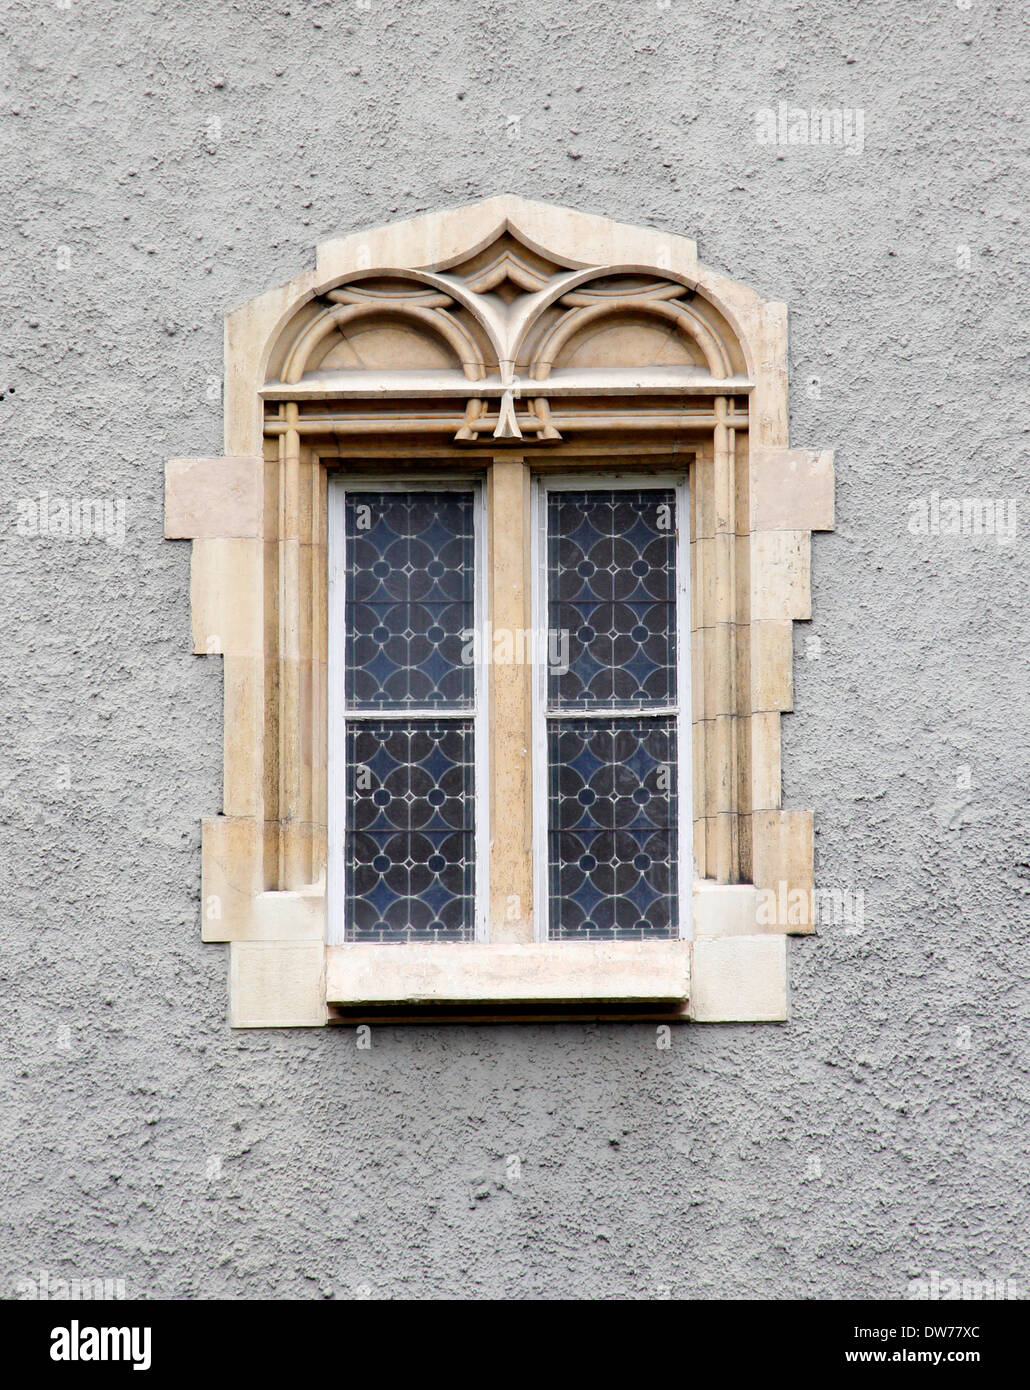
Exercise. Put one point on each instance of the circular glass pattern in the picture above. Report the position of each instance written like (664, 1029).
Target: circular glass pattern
(611, 577)
(612, 828)
(410, 850)
(409, 595)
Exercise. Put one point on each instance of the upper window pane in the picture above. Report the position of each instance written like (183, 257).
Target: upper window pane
(409, 598)
(611, 583)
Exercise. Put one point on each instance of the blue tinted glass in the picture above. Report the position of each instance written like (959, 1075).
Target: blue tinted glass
(612, 828)
(611, 582)
(409, 599)
(411, 814)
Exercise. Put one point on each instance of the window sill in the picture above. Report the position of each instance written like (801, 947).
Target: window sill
(555, 973)
(727, 979)
(287, 977)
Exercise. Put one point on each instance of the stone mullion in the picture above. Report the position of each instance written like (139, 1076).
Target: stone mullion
(511, 705)
(291, 792)
(700, 657)
(719, 588)
(318, 722)
(698, 480)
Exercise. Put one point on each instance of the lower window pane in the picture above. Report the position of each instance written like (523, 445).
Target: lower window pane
(411, 817)
(612, 829)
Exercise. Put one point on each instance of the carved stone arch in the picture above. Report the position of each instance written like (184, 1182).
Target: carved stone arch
(424, 304)
(624, 294)
(582, 316)
(503, 331)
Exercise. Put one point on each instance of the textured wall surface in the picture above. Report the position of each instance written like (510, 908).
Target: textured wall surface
(161, 163)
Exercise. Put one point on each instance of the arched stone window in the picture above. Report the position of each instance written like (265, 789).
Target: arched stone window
(475, 367)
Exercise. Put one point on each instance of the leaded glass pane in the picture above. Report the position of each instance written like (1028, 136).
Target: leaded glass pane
(611, 582)
(612, 811)
(411, 811)
(409, 598)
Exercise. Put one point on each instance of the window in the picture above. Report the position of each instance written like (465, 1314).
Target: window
(612, 726)
(410, 642)
(408, 829)
(476, 420)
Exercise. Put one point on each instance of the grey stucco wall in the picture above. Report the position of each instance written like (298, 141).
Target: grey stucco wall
(190, 156)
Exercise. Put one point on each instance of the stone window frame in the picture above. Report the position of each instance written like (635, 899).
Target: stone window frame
(257, 520)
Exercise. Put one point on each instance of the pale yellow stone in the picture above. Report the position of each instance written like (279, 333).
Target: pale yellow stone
(742, 576)
(296, 862)
(699, 758)
(299, 498)
(273, 470)
(244, 737)
(742, 485)
(319, 762)
(699, 667)
(696, 581)
(722, 847)
(720, 588)
(511, 728)
(293, 806)
(792, 490)
(700, 846)
(291, 915)
(707, 585)
(771, 668)
(545, 972)
(227, 592)
(768, 341)
(720, 765)
(744, 851)
(249, 331)
(739, 979)
(764, 763)
(214, 497)
(724, 909)
(723, 479)
(449, 235)
(703, 493)
(782, 855)
(234, 856)
(780, 575)
(277, 984)
(720, 669)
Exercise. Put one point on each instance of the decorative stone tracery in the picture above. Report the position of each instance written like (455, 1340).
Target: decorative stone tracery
(502, 337)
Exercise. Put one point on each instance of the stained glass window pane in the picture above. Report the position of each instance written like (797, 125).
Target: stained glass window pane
(611, 583)
(409, 598)
(612, 828)
(411, 814)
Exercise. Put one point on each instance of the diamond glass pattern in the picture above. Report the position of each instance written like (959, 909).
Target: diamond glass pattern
(611, 558)
(411, 830)
(613, 828)
(409, 597)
